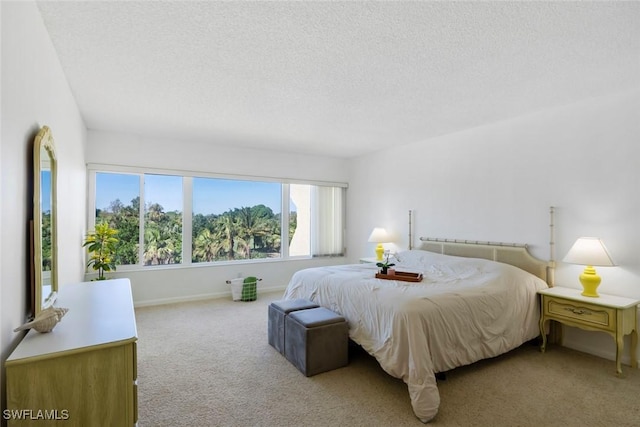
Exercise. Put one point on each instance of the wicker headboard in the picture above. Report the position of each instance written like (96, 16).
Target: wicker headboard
(509, 253)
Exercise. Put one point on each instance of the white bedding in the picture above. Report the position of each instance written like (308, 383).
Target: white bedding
(464, 310)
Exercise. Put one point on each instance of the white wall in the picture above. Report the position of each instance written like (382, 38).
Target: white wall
(131, 150)
(174, 283)
(496, 183)
(34, 93)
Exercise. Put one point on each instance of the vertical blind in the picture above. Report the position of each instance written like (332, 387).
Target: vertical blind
(328, 222)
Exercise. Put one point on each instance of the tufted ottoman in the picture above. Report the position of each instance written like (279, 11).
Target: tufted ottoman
(278, 310)
(317, 340)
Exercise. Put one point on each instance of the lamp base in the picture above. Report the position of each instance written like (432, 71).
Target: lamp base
(590, 282)
(379, 252)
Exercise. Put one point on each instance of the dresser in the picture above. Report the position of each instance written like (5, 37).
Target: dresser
(614, 315)
(83, 373)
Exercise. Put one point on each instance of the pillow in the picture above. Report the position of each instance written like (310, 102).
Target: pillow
(413, 257)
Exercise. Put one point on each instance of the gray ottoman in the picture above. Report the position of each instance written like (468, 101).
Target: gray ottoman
(317, 340)
(278, 310)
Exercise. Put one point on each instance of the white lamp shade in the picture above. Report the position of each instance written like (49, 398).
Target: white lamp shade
(379, 235)
(589, 251)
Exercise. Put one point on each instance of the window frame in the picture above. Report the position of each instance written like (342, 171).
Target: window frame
(187, 207)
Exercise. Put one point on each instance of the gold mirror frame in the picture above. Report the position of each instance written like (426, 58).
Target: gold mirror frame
(45, 268)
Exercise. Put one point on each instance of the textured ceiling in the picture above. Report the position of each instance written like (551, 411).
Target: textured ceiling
(335, 78)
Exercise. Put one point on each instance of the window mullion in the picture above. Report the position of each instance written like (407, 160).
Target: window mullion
(187, 219)
(141, 236)
(284, 227)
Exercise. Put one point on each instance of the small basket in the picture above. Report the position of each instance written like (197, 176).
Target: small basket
(244, 288)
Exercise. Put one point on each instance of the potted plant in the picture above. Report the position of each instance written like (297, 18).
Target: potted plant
(384, 266)
(101, 244)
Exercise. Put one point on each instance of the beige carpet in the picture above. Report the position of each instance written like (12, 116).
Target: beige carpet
(208, 363)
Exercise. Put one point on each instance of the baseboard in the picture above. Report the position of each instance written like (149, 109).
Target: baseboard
(579, 346)
(199, 297)
(597, 352)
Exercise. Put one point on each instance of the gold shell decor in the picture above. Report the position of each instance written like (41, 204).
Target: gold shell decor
(45, 321)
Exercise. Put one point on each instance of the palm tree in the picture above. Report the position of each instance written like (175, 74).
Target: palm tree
(228, 236)
(273, 238)
(251, 225)
(163, 235)
(206, 247)
(157, 248)
(151, 246)
(155, 212)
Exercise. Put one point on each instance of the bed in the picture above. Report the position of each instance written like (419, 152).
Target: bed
(477, 300)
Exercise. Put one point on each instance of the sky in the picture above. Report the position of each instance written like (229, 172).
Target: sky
(220, 195)
(209, 195)
(45, 190)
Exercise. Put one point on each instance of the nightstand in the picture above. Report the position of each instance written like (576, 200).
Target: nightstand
(612, 314)
(371, 260)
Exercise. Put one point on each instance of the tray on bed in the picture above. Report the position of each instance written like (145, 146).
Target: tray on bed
(402, 276)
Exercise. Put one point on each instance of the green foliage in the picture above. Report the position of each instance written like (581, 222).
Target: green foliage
(101, 244)
(162, 236)
(46, 241)
(239, 233)
(126, 220)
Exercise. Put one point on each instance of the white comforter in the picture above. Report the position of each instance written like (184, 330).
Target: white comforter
(464, 310)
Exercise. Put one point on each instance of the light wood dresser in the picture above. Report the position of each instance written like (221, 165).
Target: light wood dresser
(83, 373)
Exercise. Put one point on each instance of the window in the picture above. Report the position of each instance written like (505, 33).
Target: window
(234, 220)
(162, 219)
(327, 207)
(229, 220)
(118, 203)
(316, 224)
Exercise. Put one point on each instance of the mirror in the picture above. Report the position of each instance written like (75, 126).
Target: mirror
(45, 245)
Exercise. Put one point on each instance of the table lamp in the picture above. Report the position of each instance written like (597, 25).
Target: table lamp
(379, 235)
(589, 251)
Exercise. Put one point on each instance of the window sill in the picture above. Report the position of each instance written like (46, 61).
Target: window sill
(137, 268)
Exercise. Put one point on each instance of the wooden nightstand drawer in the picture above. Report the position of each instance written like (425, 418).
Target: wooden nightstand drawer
(587, 314)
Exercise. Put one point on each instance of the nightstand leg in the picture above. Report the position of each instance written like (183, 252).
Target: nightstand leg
(619, 349)
(543, 333)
